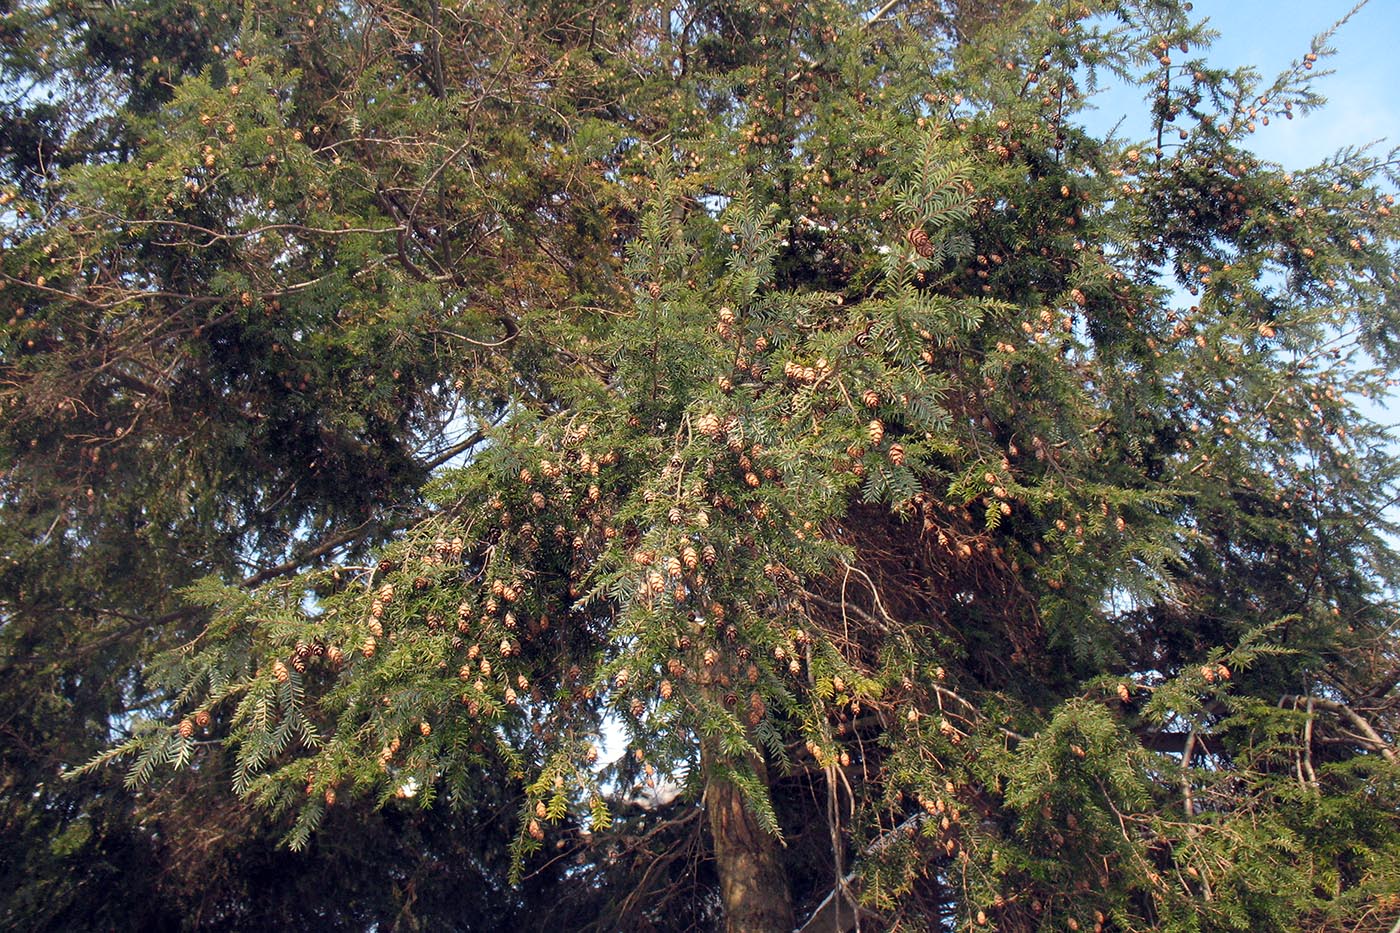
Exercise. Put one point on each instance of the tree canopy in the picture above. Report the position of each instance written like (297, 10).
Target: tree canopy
(738, 464)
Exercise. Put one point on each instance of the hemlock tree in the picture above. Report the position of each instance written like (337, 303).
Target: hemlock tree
(962, 520)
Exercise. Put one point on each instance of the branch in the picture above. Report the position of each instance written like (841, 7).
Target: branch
(1372, 737)
(976, 713)
(1167, 741)
(289, 566)
(838, 912)
(1187, 801)
(292, 564)
(880, 13)
(447, 454)
(134, 624)
(1384, 684)
(1309, 772)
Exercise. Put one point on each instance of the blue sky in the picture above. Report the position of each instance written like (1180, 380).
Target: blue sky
(1362, 93)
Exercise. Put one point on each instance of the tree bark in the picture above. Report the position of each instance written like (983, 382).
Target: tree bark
(753, 885)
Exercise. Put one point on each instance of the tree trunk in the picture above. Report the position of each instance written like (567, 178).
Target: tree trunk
(752, 883)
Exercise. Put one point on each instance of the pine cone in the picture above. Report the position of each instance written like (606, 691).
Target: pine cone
(921, 242)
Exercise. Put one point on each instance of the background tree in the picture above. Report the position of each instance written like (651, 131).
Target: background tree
(973, 514)
(170, 406)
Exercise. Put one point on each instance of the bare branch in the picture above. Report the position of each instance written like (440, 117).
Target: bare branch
(293, 564)
(1371, 736)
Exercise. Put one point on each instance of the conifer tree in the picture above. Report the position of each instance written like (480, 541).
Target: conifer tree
(947, 518)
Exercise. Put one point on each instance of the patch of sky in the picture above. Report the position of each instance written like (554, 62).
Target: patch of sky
(1357, 79)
